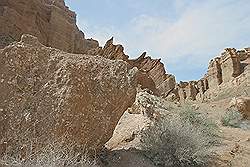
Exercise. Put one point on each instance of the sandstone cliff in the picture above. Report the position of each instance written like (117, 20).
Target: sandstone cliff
(229, 70)
(49, 20)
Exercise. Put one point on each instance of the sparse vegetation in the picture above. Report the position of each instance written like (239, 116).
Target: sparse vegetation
(180, 140)
(201, 122)
(232, 118)
(51, 156)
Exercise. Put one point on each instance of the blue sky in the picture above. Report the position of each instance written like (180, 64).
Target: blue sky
(185, 34)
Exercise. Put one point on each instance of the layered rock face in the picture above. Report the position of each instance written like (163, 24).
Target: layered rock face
(230, 69)
(47, 96)
(214, 73)
(164, 82)
(49, 20)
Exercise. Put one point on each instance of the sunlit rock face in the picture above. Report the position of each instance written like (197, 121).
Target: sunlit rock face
(49, 20)
(47, 95)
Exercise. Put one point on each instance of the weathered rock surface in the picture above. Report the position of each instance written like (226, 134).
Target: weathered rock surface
(214, 73)
(110, 51)
(230, 65)
(226, 72)
(242, 104)
(164, 82)
(47, 95)
(153, 74)
(49, 20)
(146, 110)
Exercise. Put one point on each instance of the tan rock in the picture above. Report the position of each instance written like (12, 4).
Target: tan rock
(230, 64)
(191, 90)
(113, 52)
(164, 82)
(49, 20)
(242, 104)
(51, 96)
(214, 74)
(145, 111)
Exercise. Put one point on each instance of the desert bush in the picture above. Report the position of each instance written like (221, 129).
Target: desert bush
(54, 155)
(173, 142)
(200, 121)
(232, 118)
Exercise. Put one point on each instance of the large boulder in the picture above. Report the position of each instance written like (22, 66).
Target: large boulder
(47, 95)
(146, 110)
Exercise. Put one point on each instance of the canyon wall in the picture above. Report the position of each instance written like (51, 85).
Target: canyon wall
(231, 68)
(49, 20)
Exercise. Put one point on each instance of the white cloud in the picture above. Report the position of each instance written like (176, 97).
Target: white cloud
(200, 31)
(198, 34)
(102, 34)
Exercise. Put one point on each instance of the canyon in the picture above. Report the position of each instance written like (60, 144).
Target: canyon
(56, 86)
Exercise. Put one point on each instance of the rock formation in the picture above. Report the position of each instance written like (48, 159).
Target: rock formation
(55, 26)
(231, 68)
(49, 20)
(47, 95)
(242, 104)
(153, 75)
(214, 73)
(145, 111)
(230, 65)
(164, 82)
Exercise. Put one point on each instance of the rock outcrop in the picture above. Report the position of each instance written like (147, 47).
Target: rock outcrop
(145, 111)
(242, 104)
(47, 95)
(214, 73)
(230, 69)
(110, 51)
(164, 82)
(55, 26)
(49, 20)
(153, 74)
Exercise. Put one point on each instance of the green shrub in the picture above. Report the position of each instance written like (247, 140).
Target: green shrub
(232, 118)
(172, 142)
(201, 122)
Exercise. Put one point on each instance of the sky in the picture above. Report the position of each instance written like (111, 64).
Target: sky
(185, 34)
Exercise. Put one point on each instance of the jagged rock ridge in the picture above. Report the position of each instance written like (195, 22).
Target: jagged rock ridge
(153, 74)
